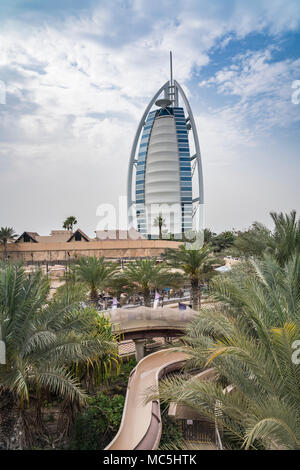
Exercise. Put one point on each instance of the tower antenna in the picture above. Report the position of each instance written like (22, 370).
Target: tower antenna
(171, 69)
(172, 93)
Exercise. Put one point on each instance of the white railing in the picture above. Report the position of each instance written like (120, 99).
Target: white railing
(218, 439)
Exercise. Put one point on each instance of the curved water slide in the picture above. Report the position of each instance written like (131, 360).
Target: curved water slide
(141, 425)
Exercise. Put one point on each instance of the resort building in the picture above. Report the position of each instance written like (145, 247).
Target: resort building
(63, 246)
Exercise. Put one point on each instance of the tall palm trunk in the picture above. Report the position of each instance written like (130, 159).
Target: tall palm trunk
(160, 231)
(4, 250)
(195, 294)
(68, 411)
(147, 297)
(11, 426)
(94, 295)
(199, 296)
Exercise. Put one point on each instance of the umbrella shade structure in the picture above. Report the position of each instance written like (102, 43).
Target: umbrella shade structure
(147, 322)
(223, 269)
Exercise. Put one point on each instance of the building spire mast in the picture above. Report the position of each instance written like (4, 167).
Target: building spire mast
(171, 69)
(172, 88)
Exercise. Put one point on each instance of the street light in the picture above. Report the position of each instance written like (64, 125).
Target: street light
(2, 350)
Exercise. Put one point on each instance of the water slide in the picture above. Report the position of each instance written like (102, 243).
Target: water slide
(141, 426)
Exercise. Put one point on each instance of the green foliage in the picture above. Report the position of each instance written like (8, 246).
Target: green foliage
(118, 379)
(101, 322)
(283, 242)
(196, 265)
(143, 276)
(73, 291)
(253, 242)
(97, 370)
(238, 274)
(286, 236)
(220, 242)
(70, 222)
(208, 235)
(96, 426)
(44, 338)
(171, 434)
(95, 273)
(223, 241)
(6, 234)
(248, 339)
(159, 222)
(71, 278)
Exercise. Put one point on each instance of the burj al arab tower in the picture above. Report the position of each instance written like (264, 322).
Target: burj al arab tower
(165, 170)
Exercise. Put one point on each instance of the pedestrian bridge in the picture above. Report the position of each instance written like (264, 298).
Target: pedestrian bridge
(146, 322)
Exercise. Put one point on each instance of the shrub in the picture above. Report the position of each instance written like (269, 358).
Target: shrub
(96, 426)
(171, 436)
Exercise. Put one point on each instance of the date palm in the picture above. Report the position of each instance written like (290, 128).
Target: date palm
(95, 273)
(251, 345)
(196, 266)
(70, 222)
(43, 339)
(6, 234)
(283, 241)
(145, 275)
(286, 236)
(159, 222)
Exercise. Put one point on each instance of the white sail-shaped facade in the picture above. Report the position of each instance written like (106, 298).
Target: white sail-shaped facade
(162, 176)
(163, 166)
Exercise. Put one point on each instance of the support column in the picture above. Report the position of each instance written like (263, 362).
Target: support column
(139, 349)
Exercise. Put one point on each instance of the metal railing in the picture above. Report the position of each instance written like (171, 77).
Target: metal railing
(218, 439)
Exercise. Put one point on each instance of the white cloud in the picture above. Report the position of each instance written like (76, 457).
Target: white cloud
(76, 89)
(263, 89)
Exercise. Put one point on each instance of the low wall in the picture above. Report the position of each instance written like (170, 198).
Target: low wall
(68, 251)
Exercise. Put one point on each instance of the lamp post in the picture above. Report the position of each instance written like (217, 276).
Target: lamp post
(2, 350)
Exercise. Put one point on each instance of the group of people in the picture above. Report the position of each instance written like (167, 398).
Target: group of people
(108, 301)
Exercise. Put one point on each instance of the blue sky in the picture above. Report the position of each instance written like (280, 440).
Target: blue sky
(78, 76)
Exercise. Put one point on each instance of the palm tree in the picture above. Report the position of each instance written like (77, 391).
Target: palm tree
(283, 241)
(252, 242)
(196, 266)
(208, 235)
(145, 275)
(43, 339)
(159, 222)
(70, 222)
(251, 344)
(6, 234)
(223, 241)
(286, 236)
(96, 274)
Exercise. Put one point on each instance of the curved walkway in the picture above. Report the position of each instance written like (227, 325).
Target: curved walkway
(141, 423)
(163, 321)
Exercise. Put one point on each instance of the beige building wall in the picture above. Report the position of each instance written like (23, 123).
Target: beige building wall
(65, 251)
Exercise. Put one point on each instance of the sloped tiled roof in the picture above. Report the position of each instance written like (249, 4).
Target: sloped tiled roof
(87, 239)
(32, 235)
